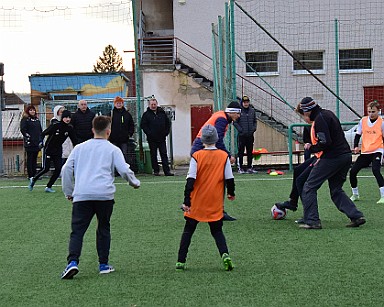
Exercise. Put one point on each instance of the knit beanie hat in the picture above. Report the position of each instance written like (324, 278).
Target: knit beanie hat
(307, 104)
(233, 107)
(209, 135)
(66, 113)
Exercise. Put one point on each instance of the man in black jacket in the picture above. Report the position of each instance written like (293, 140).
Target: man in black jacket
(246, 125)
(122, 129)
(156, 125)
(82, 122)
(327, 136)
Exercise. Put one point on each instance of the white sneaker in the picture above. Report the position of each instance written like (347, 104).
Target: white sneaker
(240, 171)
(355, 197)
(380, 201)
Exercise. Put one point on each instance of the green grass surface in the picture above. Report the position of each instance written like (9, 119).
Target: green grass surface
(276, 264)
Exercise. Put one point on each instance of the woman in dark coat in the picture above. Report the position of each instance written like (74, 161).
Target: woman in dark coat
(31, 130)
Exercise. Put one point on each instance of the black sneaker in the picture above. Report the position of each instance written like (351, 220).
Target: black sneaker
(310, 226)
(300, 221)
(156, 174)
(169, 174)
(286, 205)
(357, 222)
(227, 217)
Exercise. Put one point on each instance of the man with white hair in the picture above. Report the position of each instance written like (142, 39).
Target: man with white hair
(82, 121)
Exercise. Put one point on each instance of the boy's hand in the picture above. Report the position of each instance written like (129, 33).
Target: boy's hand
(231, 197)
(185, 208)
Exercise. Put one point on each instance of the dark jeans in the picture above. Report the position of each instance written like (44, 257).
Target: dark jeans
(190, 227)
(300, 175)
(82, 214)
(57, 163)
(364, 161)
(162, 147)
(335, 171)
(245, 142)
(32, 163)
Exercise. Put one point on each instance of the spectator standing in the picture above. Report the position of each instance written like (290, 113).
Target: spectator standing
(333, 165)
(246, 126)
(156, 125)
(87, 180)
(209, 174)
(220, 120)
(371, 129)
(53, 149)
(122, 130)
(67, 145)
(30, 128)
(82, 121)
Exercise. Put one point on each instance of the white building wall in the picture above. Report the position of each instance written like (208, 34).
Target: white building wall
(177, 90)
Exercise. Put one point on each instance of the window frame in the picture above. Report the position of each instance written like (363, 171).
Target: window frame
(356, 69)
(267, 61)
(302, 71)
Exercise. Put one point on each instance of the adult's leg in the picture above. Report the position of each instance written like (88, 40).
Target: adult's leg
(217, 233)
(361, 162)
(31, 163)
(164, 156)
(153, 152)
(240, 153)
(249, 148)
(321, 171)
(57, 163)
(103, 211)
(124, 149)
(82, 214)
(335, 182)
(186, 237)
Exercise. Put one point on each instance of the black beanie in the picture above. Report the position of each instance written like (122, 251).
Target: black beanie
(66, 113)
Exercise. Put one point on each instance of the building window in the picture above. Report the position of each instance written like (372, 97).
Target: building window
(264, 63)
(355, 59)
(64, 97)
(312, 60)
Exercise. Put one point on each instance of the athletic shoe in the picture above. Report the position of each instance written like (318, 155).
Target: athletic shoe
(156, 174)
(380, 201)
(250, 171)
(169, 174)
(31, 184)
(309, 226)
(241, 171)
(70, 271)
(357, 222)
(180, 266)
(286, 205)
(106, 268)
(300, 221)
(227, 217)
(49, 190)
(355, 197)
(227, 262)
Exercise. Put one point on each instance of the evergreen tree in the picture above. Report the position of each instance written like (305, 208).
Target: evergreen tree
(111, 61)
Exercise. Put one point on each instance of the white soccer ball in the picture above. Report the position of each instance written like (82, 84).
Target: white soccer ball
(278, 214)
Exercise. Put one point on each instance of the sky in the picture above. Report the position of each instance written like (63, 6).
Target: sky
(60, 36)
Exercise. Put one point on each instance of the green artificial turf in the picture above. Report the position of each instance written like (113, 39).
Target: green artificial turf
(276, 264)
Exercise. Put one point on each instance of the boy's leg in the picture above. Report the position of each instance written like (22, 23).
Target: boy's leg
(189, 229)
(360, 162)
(82, 214)
(57, 163)
(217, 233)
(103, 211)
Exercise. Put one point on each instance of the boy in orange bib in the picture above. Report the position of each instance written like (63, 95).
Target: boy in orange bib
(371, 129)
(209, 173)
